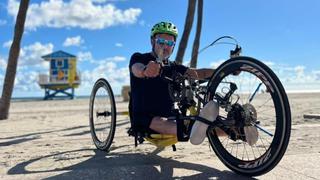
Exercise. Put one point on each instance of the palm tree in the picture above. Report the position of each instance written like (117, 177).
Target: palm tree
(186, 32)
(13, 60)
(196, 42)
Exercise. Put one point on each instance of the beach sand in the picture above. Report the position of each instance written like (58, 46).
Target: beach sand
(51, 140)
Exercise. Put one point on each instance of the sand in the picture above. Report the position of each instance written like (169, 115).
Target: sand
(51, 140)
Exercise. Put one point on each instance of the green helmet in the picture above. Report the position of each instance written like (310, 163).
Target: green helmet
(164, 28)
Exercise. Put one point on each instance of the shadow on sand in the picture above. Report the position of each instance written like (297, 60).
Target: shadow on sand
(18, 141)
(95, 164)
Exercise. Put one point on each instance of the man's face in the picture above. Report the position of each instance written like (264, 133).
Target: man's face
(163, 45)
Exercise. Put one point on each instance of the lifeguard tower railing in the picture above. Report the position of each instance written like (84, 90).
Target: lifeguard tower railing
(54, 86)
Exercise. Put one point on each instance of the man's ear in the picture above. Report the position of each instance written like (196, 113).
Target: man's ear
(152, 41)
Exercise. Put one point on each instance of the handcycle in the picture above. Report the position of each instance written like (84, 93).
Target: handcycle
(248, 93)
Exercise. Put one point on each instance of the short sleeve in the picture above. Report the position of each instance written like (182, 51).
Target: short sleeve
(136, 58)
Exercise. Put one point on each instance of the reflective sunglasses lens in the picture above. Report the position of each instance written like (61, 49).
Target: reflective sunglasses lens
(170, 43)
(160, 41)
(164, 41)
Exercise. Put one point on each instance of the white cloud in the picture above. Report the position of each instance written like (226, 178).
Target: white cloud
(269, 63)
(7, 44)
(73, 41)
(142, 23)
(104, 68)
(99, 1)
(299, 72)
(292, 77)
(216, 64)
(3, 64)
(2, 22)
(31, 55)
(117, 77)
(26, 81)
(316, 75)
(75, 13)
(119, 45)
(85, 56)
(116, 58)
(104, 1)
(1, 84)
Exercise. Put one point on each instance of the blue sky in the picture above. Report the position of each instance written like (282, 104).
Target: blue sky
(105, 33)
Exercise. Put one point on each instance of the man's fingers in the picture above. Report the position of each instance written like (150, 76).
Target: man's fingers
(151, 73)
(153, 69)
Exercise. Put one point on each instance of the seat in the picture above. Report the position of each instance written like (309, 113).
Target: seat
(159, 140)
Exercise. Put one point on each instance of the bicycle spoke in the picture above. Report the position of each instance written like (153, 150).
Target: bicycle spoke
(244, 144)
(271, 108)
(257, 149)
(224, 140)
(264, 130)
(254, 93)
(263, 111)
(263, 104)
(237, 150)
(255, 82)
(231, 149)
(262, 143)
(103, 113)
(253, 152)
(227, 143)
(254, 104)
(240, 88)
(266, 140)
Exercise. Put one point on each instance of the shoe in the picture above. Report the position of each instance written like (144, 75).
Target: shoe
(251, 134)
(198, 132)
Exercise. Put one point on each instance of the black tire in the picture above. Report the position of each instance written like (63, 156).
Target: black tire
(102, 115)
(250, 164)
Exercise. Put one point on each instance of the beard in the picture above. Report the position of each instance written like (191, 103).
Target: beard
(163, 54)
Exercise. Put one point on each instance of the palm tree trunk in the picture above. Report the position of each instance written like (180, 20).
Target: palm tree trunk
(186, 32)
(196, 42)
(13, 60)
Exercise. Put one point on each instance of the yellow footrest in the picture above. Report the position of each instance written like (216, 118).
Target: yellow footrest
(162, 140)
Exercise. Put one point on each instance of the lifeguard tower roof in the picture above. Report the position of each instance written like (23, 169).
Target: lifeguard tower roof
(57, 54)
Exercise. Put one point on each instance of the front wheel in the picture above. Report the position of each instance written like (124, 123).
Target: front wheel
(257, 100)
(102, 115)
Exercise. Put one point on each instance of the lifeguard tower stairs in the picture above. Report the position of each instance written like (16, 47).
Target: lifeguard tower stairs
(63, 77)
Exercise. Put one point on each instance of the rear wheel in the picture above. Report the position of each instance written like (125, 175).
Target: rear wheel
(102, 115)
(259, 101)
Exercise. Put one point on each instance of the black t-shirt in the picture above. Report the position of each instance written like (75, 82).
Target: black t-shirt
(151, 95)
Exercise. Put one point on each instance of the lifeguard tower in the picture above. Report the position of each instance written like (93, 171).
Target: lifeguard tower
(63, 77)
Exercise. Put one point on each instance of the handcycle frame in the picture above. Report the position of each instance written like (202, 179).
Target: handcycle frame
(186, 104)
(237, 115)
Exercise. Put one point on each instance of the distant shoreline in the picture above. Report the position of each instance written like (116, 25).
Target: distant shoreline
(24, 99)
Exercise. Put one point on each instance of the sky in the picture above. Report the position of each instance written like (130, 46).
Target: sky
(103, 34)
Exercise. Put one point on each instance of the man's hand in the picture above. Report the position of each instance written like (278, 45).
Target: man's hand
(192, 73)
(152, 69)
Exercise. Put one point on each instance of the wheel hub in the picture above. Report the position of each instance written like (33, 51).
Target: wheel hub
(249, 114)
(244, 115)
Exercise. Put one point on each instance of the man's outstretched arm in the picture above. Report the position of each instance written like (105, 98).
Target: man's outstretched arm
(200, 74)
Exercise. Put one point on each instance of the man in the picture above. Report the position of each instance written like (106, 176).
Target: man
(151, 102)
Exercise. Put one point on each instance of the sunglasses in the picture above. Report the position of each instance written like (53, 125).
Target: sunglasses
(162, 41)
